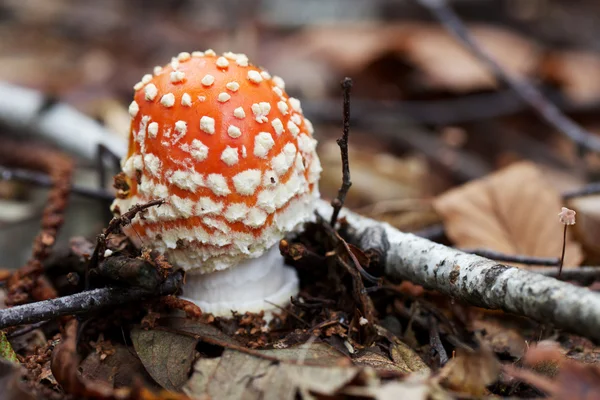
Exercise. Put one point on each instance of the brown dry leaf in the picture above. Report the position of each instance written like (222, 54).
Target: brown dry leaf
(471, 371)
(121, 369)
(587, 228)
(513, 211)
(317, 55)
(447, 65)
(237, 375)
(405, 358)
(576, 72)
(415, 387)
(11, 385)
(168, 352)
(377, 176)
(561, 377)
(500, 338)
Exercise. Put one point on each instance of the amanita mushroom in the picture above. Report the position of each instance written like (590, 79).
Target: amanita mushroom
(234, 158)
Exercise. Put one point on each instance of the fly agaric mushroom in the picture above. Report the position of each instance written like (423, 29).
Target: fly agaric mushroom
(235, 160)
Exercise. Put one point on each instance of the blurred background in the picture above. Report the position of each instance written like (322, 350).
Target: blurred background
(426, 115)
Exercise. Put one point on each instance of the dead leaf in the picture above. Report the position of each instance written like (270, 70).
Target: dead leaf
(513, 211)
(377, 176)
(6, 351)
(120, 369)
(237, 375)
(471, 371)
(577, 73)
(168, 351)
(587, 228)
(10, 383)
(377, 361)
(414, 387)
(562, 378)
(65, 363)
(404, 357)
(501, 338)
(447, 64)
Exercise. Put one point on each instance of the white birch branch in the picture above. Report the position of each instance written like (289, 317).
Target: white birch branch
(22, 109)
(477, 280)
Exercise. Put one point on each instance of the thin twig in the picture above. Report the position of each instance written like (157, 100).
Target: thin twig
(289, 312)
(338, 202)
(84, 302)
(548, 111)
(113, 226)
(435, 341)
(579, 274)
(126, 218)
(516, 258)
(432, 232)
(588, 190)
(43, 180)
(364, 274)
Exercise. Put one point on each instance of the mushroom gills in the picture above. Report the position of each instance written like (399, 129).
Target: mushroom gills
(251, 286)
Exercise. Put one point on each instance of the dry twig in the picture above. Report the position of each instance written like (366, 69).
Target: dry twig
(338, 202)
(84, 302)
(43, 180)
(588, 190)
(514, 258)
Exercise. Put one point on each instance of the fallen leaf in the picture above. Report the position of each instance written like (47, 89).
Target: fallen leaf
(561, 378)
(577, 73)
(447, 64)
(471, 371)
(377, 361)
(10, 383)
(65, 368)
(6, 351)
(500, 338)
(308, 368)
(587, 228)
(404, 357)
(121, 369)
(168, 351)
(513, 211)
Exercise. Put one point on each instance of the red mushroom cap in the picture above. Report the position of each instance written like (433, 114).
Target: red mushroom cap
(230, 152)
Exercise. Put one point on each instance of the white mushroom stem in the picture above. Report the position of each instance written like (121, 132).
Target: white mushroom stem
(251, 286)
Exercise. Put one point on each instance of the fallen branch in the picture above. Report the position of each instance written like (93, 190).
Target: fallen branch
(43, 180)
(528, 92)
(32, 112)
(579, 274)
(480, 281)
(84, 302)
(512, 258)
(588, 190)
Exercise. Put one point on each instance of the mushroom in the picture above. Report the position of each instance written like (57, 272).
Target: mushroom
(233, 156)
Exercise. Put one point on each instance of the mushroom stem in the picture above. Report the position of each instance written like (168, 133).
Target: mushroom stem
(251, 286)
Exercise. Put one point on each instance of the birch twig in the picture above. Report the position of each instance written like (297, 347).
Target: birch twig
(480, 281)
